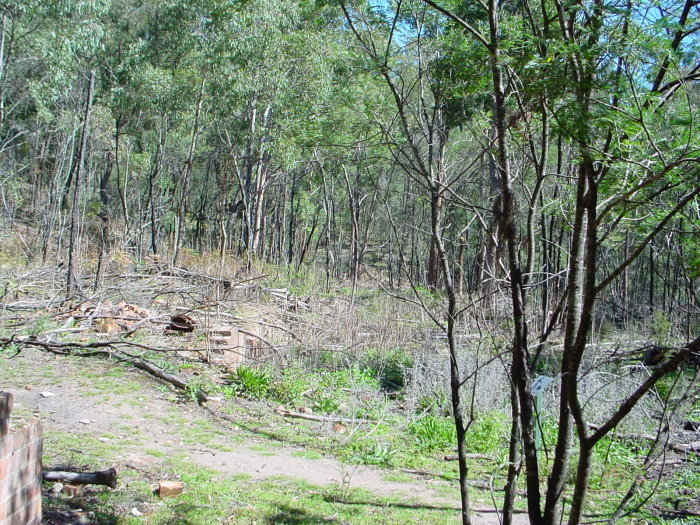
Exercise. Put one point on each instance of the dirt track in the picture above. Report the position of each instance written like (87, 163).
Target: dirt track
(143, 419)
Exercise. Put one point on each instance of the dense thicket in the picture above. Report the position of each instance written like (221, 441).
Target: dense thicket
(542, 151)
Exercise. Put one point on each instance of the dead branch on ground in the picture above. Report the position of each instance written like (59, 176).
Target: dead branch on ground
(324, 419)
(103, 477)
(110, 349)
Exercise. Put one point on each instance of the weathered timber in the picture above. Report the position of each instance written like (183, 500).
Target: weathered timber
(103, 477)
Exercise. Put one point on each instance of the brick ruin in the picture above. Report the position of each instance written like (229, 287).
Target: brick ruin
(20, 468)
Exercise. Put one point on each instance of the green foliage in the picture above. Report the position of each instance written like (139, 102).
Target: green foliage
(290, 387)
(388, 367)
(352, 377)
(661, 327)
(436, 403)
(195, 387)
(251, 382)
(488, 433)
(380, 454)
(326, 403)
(41, 324)
(372, 408)
(433, 433)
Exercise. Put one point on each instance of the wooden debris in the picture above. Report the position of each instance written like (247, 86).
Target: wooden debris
(108, 318)
(103, 477)
(182, 323)
(107, 349)
(170, 488)
(681, 448)
(311, 417)
(109, 326)
(72, 490)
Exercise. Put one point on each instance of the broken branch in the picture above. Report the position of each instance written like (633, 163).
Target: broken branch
(103, 477)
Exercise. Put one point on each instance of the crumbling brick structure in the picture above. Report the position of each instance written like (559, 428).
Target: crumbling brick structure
(20, 468)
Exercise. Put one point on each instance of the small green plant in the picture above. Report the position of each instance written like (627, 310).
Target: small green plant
(488, 433)
(196, 386)
(372, 408)
(41, 324)
(436, 403)
(388, 368)
(326, 404)
(661, 327)
(292, 385)
(434, 433)
(254, 383)
(380, 454)
(10, 350)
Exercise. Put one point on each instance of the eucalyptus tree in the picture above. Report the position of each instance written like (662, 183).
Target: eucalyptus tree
(47, 53)
(404, 47)
(615, 72)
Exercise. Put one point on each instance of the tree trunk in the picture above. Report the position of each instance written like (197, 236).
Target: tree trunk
(184, 182)
(103, 215)
(74, 243)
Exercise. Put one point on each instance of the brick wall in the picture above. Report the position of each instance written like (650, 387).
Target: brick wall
(20, 468)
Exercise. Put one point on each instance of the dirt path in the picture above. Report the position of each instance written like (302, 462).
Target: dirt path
(131, 411)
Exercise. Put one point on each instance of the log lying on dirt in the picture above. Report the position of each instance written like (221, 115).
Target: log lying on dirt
(324, 419)
(165, 376)
(108, 349)
(682, 448)
(103, 477)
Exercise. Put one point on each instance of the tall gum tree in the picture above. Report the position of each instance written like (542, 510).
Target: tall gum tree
(607, 132)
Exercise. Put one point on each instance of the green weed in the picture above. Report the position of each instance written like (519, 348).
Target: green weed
(254, 383)
(380, 454)
(433, 433)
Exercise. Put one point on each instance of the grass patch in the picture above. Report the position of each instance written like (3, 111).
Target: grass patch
(308, 454)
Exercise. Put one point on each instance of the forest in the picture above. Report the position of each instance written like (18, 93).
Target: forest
(482, 215)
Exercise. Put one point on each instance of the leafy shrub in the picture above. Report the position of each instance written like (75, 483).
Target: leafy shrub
(380, 454)
(436, 403)
(291, 385)
(353, 377)
(488, 433)
(326, 404)
(661, 327)
(371, 408)
(388, 368)
(195, 386)
(434, 433)
(254, 383)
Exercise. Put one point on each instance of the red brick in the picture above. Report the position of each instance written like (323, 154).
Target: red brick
(20, 475)
(21, 517)
(6, 402)
(34, 506)
(5, 494)
(4, 468)
(6, 445)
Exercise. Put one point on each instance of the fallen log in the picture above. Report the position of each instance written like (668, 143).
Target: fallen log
(109, 349)
(683, 448)
(103, 477)
(324, 419)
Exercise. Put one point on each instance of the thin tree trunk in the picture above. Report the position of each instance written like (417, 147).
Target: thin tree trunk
(104, 218)
(180, 225)
(74, 243)
(510, 488)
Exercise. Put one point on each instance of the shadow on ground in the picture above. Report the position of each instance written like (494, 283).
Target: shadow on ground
(296, 516)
